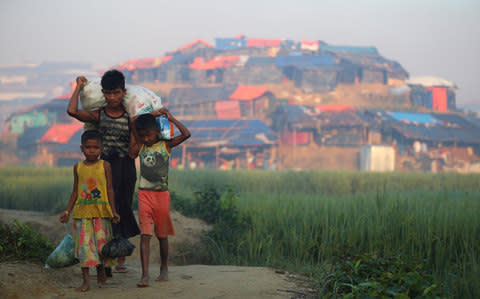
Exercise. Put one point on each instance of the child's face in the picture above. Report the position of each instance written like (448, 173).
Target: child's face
(91, 148)
(114, 97)
(148, 137)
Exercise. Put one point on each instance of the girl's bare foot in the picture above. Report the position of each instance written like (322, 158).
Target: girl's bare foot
(163, 274)
(83, 288)
(143, 283)
(101, 276)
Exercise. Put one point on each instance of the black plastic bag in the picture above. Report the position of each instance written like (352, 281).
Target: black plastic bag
(118, 247)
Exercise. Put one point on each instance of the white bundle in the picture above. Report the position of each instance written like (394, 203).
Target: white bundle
(138, 99)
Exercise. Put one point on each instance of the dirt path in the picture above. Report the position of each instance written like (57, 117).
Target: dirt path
(27, 280)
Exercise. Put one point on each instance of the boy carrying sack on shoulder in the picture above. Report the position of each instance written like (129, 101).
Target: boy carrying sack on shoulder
(153, 195)
(92, 207)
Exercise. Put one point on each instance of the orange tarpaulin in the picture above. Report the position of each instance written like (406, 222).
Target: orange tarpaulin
(259, 42)
(61, 133)
(334, 108)
(439, 98)
(144, 63)
(245, 92)
(228, 110)
(214, 63)
(198, 41)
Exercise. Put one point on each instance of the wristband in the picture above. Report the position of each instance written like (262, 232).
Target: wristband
(67, 212)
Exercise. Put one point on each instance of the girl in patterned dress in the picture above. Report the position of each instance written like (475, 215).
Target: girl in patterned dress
(92, 207)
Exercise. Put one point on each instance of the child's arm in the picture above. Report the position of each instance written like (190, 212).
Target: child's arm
(185, 133)
(111, 199)
(72, 110)
(73, 197)
(134, 146)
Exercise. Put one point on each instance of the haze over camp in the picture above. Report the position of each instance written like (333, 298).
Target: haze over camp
(306, 149)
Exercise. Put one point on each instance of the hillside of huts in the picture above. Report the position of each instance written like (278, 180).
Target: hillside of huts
(255, 103)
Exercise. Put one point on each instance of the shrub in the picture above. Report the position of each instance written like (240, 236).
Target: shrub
(368, 275)
(19, 242)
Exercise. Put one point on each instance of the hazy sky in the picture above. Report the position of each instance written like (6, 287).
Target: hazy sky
(428, 37)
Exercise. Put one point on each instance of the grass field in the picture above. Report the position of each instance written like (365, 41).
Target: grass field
(301, 220)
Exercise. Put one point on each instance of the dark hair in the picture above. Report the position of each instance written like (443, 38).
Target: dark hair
(146, 122)
(113, 79)
(91, 134)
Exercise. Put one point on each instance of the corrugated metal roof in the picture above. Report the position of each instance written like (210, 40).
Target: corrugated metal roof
(179, 96)
(260, 61)
(439, 133)
(31, 136)
(453, 120)
(180, 59)
(305, 61)
(419, 118)
(230, 132)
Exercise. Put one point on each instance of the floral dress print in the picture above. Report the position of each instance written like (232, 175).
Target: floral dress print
(92, 215)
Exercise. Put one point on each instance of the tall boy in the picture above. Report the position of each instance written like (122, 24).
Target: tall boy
(119, 148)
(153, 195)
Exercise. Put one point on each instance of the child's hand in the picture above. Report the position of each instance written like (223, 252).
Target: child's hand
(116, 218)
(81, 81)
(64, 217)
(164, 111)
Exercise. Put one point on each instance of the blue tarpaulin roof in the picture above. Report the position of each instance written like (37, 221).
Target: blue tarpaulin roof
(420, 118)
(230, 43)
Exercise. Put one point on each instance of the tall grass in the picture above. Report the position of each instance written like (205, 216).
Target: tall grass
(36, 189)
(302, 219)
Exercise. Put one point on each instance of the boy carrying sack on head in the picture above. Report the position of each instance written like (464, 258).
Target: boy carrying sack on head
(93, 208)
(153, 195)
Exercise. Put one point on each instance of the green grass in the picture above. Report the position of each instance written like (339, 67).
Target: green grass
(302, 220)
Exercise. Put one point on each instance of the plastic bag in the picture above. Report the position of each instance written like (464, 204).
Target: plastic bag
(63, 255)
(166, 128)
(137, 100)
(118, 247)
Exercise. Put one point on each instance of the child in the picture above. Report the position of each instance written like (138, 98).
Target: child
(93, 208)
(119, 148)
(153, 195)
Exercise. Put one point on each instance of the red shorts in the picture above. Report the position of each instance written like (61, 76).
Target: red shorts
(154, 212)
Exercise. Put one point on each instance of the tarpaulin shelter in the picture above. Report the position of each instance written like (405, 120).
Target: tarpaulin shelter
(197, 102)
(235, 139)
(254, 100)
(255, 71)
(433, 93)
(61, 133)
(223, 44)
(27, 142)
(46, 114)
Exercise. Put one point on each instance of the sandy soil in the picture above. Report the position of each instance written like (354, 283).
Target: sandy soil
(27, 280)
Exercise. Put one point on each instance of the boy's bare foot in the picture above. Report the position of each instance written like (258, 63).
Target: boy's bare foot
(143, 283)
(83, 288)
(163, 274)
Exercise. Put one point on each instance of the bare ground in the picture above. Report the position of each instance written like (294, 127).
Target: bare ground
(29, 280)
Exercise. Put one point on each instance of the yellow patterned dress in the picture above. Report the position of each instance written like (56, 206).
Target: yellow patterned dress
(92, 215)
